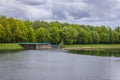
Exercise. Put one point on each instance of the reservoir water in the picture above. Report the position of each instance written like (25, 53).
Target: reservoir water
(58, 65)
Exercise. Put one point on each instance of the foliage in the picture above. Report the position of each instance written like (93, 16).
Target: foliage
(14, 30)
(95, 37)
(42, 35)
(104, 38)
(70, 35)
(55, 35)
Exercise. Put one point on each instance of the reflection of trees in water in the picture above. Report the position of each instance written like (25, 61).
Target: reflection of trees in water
(4, 52)
(109, 53)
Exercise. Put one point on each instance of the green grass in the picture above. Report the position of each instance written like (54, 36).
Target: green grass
(10, 46)
(92, 46)
(16, 46)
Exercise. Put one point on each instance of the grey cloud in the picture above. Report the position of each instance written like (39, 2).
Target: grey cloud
(70, 9)
(73, 11)
(102, 8)
(78, 14)
(14, 12)
(33, 2)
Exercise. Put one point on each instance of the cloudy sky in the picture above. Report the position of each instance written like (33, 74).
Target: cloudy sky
(93, 12)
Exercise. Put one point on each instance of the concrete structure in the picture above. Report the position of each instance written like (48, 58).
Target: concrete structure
(55, 46)
(39, 46)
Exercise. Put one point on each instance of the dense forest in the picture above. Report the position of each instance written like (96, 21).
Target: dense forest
(14, 31)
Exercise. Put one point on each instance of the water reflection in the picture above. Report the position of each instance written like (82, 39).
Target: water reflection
(105, 53)
(11, 50)
(57, 65)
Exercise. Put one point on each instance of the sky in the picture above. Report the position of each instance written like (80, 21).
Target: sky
(89, 12)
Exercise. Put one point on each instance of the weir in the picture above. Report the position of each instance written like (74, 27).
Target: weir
(39, 46)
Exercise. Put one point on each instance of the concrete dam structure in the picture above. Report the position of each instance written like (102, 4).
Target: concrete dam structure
(39, 46)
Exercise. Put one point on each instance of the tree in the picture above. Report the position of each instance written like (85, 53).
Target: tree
(1, 33)
(117, 29)
(115, 37)
(44, 24)
(31, 36)
(38, 24)
(2, 19)
(83, 36)
(101, 29)
(55, 35)
(95, 37)
(56, 24)
(20, 32)
(11, 22)
(42, 35)
(28, 23)
(30, 31)
(104, 38)
(70, 35)
(110, 35)
(7, 31)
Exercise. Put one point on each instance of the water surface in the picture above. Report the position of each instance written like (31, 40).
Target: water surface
(57, 65)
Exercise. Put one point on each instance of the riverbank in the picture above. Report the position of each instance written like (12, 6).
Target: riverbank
(16, 46)
(91, 47)
(4, 47)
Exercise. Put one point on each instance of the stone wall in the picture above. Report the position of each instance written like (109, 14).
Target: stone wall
(36, 46)
(29, 46)
(55, 47)
(43, 46)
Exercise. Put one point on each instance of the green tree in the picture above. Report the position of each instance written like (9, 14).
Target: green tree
(95, 37)
(83, 36)
(38, 24)
(31, 36)
(104, 38)
(117, 29)
(20, 32)
(1, 33)
(28, 23)
(70, 35)
(7, 31)
(115, 37)
(42, 35)
(11, 22)
(56, 24)
(55, 35)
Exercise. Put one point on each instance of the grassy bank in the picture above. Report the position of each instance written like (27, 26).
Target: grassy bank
(92, 47)
(16, 46)
(10, 46)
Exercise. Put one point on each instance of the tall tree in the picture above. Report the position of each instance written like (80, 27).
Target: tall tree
(20, 32)
(55, 35)
(7, 31)
(1, 33)
(30, 31)
(104, 38)
(83, 36)
(70, 35)
(95, 37)
(42, 35)
(115, 37)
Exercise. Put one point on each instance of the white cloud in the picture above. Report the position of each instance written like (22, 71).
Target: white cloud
(36, 13)
(96, 12)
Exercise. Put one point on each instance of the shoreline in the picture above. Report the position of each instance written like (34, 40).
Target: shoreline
(94, 47)
(10, 47)
(89, 47)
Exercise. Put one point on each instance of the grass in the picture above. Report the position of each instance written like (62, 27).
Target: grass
(91, 46)
(10, 46)
(16, 46)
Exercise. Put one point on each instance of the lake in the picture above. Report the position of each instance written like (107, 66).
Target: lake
(59, 65)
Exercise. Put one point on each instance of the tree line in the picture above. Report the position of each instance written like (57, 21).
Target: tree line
(14, 31)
